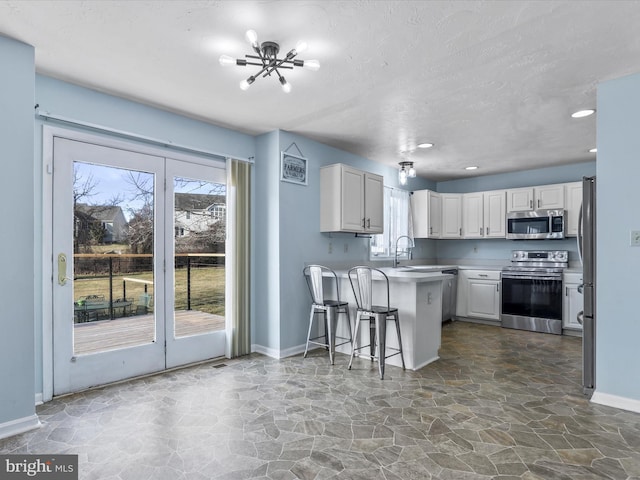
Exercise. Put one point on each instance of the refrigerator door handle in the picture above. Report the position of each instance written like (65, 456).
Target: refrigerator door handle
(579, 234)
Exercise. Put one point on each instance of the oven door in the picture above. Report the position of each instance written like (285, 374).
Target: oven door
(532, 302)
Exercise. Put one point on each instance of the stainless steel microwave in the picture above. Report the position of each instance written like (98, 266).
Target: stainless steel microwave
(536, 225)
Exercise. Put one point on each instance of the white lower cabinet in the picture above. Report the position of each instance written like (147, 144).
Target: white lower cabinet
(479, 294)
(572, 301)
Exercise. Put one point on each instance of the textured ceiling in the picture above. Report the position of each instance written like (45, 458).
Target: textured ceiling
(490, 83)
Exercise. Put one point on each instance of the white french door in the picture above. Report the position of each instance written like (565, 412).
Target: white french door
(137, 287)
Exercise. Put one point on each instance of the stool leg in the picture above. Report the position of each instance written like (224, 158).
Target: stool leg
(381, 332)
(331, 329)
(346, 310)
(306, 348)
(397, 320)
(355, 339)
(372, 338)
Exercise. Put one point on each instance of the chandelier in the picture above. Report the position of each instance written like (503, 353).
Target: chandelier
(406, 171)
(267, 58)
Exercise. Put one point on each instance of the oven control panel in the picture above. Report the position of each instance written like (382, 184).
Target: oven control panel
(543, 256)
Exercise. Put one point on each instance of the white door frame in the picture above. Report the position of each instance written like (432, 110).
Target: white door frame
(48, 134)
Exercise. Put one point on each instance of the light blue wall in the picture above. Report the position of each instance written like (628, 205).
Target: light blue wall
(618, 264)
(90, 106)
(500, 249)
(17, 364)
(266, 327)
(524, 178)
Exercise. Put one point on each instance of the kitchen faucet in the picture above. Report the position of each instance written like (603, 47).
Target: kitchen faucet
(411, 245)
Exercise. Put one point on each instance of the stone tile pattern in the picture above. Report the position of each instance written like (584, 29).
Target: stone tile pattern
(501, 404)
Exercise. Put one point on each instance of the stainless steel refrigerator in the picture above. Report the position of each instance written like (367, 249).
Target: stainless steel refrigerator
(587, 254)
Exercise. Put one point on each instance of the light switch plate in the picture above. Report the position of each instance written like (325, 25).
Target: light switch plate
(635, 238)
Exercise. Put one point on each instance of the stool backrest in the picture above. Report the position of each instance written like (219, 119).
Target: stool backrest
(361, 279)
(314, 275)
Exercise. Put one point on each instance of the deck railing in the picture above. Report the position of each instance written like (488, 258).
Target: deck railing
(126, 264)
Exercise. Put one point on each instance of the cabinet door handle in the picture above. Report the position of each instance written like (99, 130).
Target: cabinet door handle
(538, 203)
(483, 275)
(530, 203)
(497, 287)
(364, 220)
(481, 232)
(566, 291)
(430, 230)
(487, 231)
(460, 231)
(368, 223)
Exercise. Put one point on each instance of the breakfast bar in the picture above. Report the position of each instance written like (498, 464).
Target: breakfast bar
(417, 294)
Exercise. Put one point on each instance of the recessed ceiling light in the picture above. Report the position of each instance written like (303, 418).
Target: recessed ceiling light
(471, 168)
(583, 113)
(425, 145)
(593, 150)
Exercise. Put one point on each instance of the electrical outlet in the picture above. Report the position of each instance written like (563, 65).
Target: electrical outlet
(635, 238)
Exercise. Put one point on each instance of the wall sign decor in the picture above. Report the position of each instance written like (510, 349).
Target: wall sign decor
(293, 168)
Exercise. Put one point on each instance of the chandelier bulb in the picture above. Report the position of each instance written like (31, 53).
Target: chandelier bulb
(286, 86)
(301, 47)
(311, 65)
(226, 60)
(252, 38)
(245, 84)
(412, 172)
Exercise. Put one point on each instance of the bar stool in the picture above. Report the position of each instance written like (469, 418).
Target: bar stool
(362, 285)
(330, 309)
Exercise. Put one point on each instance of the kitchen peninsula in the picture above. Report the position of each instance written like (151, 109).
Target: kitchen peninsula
(416, 293)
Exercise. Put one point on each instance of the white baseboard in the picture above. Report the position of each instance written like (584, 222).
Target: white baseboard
(39, 399)
(19, 425)
(615, 401)
(273, 353)
(424, 364)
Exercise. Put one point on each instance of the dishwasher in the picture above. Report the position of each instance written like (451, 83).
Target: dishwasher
(449, 294)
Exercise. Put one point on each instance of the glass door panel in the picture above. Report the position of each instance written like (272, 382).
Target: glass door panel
(105, 219)
(199, 239)
(196, 244)
(113, 260)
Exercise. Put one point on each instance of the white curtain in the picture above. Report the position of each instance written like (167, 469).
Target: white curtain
(238, 274)
(397, 222)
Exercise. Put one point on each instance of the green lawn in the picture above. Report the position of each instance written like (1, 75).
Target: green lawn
(207, 288)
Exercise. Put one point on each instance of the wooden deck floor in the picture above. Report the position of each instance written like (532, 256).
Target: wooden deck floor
(105, 335)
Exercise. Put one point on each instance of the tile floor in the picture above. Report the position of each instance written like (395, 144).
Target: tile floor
(499, 403)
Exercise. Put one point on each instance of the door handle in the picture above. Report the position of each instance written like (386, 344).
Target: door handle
(62, 269)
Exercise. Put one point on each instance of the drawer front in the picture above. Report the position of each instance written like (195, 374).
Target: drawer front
(484, 274)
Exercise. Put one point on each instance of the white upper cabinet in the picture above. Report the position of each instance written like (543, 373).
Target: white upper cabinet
(427, 213)
(520, 199)
(535, 198)
(473, 215)
(573, 195)
(483, 214)
(495, 211)
(549, 197)
(451, 215)
(350, 200)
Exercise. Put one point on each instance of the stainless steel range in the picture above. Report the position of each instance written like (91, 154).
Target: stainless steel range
(532, 290)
